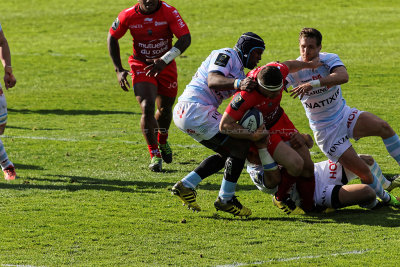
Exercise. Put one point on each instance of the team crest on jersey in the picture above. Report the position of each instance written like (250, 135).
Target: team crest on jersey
(222, 60)
(237, 101)
(115, 24)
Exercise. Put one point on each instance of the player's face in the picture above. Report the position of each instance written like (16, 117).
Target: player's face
(309, 49)
(148, 6)
(255, 57)
(268, 94)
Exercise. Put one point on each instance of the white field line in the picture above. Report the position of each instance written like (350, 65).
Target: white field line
(93, 140)
(297, 258)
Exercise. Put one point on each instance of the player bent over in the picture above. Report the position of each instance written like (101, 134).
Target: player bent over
(196, 114)
(152, 24)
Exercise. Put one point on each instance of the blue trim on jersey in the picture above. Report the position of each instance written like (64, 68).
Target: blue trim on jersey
(270, 166)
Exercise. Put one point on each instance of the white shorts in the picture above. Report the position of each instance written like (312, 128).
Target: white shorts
(3, 108)
(199, 121)
(334, 140)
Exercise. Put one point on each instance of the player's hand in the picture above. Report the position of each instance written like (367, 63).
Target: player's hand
(261, 134)
(156, 66)
(297, 140)
(9, 80)
(301, 90)
(248, 84)
(123, 82)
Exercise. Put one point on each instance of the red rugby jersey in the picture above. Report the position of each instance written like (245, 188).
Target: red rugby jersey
(243, 100)
(152, 33)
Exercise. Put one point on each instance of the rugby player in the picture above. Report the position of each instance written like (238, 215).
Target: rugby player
(333, 122)
(152, 24)
(9, 81)
(196, 114)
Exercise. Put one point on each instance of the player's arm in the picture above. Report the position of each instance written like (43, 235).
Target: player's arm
(5, 57)
(218, 82)
(114, 51)
(157, 65)
(337, 76)
(229, 127)
(295, 65)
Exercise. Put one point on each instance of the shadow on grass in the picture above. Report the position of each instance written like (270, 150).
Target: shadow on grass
(71, 112)
(384, 217)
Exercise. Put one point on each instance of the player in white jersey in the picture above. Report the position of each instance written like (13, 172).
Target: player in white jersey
(332, 121)
(331, 185)
(196, 114)
(9, 82)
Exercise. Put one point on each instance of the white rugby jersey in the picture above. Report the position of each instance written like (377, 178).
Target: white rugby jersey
(330, 173)
(225, 61)
(323, 105)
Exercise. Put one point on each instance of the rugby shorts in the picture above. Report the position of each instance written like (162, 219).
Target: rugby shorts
(166, 82)
(334, 140)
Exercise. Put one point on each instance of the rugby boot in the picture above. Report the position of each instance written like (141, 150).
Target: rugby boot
(232, 206)
(186, 195)
(395, 182)
(166, 152)
(394, 201)
(287, 206)
(156, 164)
(9, 173)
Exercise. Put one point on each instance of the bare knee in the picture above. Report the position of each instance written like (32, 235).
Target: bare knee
(386, 130)
(368, 193)
(147, 108)
(295, 167)
(2, 129)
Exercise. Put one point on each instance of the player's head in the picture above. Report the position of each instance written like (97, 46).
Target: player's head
(270, 81)
(148, 6)
(310, 40)
(250, 47)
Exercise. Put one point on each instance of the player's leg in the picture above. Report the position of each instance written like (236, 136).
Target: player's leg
(6, 165)
(351, 161)
(185, 188)
(146, 95)
(356, 194)
(164, 118)
(369, 124)
(167, 91)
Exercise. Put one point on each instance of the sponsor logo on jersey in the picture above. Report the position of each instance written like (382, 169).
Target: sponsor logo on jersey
(324, 102)
(237, 101)
(160, 23)
(222, 60)
(148, 20)
(136, 26)
(161, 43)
(115, 24)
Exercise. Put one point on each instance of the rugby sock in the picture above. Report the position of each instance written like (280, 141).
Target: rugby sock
(376, 170)
(233, 169)
(4, 161)
(376, 185)
(210, 165)
(191, 180)
(287, 181)
(305, 187)
(393, 147)
(227, 191)
(154, 151)
(162, 138)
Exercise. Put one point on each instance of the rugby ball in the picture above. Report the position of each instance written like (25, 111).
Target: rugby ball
(252, 119)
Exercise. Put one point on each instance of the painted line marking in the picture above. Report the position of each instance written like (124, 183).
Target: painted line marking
(354, 252)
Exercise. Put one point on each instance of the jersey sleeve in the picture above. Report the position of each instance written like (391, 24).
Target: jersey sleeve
(175, 21)
(221, 62)
(332, 61)
(240, 103)
(119, 26)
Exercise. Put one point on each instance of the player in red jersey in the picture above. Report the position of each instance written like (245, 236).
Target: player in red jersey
(297, 163)
(152, 24)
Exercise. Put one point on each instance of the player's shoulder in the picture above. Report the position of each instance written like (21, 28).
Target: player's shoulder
(325, 56)
(130, 12)
(167, 9)
(223, 56)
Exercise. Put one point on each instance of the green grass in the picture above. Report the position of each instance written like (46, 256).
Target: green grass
(84, 196)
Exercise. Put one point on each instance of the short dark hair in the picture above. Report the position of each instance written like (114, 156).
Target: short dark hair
(311, 33)
(270, 76)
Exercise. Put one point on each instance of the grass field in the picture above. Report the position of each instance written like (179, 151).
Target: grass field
(84, 196)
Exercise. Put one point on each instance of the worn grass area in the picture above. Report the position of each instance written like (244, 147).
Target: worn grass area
(84, 196)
